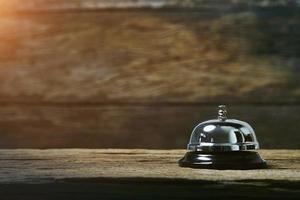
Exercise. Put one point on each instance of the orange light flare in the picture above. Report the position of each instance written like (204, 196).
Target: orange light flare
(10, 33)
(7, 7)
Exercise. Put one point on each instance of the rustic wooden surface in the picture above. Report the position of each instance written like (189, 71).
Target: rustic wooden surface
(97, 79)
(135, 126)
(141, 173)
(35, 166)
(95, 73)
(33, 5)
(151, 56)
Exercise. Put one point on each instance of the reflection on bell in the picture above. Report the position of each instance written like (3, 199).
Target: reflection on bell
(223, 144)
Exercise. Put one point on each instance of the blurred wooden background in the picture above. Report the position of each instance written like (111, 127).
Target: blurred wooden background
(142, 74)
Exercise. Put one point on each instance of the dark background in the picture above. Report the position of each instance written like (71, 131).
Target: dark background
(142, 74)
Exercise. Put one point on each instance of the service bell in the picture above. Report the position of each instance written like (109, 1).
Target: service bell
(223, 144)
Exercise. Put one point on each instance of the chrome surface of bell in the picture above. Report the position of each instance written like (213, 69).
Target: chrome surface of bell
(223, 144)
(223, 134)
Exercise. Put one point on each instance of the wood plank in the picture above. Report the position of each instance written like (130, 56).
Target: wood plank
(135, 126)
(31, 5)
(204, 55)
(145, 173)
(34, 166)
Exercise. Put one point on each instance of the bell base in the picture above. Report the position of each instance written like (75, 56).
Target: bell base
(223, 160)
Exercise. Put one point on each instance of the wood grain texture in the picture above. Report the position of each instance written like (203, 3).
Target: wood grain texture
(135, 126)
(34, 166)
(82, 76)
(32, 5)
(140, 173)
(162, 55)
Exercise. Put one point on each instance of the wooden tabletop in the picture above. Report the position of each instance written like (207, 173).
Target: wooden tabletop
(81, 170)
(33, 166)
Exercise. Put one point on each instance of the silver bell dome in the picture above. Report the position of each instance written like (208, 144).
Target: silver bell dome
(223, 134)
